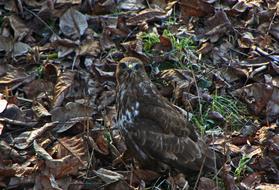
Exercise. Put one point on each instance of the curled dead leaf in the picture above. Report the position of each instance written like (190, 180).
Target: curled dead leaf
(62, 87)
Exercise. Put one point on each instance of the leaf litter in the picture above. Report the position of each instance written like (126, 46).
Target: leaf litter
(217, 61)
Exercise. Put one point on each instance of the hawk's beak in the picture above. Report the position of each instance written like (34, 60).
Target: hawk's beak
(130, 66)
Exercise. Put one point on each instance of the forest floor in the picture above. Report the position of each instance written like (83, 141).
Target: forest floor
(218, 60)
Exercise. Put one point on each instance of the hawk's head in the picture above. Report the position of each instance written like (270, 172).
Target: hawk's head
(129, 68)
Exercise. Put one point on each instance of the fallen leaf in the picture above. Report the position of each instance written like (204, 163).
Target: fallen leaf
(217, 26)
(73, 23)
(62, 87)
(16, 48)
(69, 111)
(131, 5)
(206, 183)
(40, 111)
(20, 30)
(146, 16)
(102, 144)
(7, 152)
(261, 99)
(3, 105)
(267, 186)
(195, 8)
(74, 146)
(25, 139)
(109, 176)
(251, 181)
(90, 47)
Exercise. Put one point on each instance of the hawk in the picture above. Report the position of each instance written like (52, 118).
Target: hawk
(155, 131)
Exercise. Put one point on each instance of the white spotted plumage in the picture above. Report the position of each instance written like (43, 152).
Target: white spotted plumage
(128, 117)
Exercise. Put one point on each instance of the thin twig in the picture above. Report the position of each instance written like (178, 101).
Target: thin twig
(271, 22)
(244, 54)
(254, 64)
(24, 99)
(200, 172)
(17, 122)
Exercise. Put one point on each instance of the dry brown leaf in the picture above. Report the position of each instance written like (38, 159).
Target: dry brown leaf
(234, 73)
(7, 152)
(36, 87)
(206, 183)
(264, 41)
(109, 176)
(20, 30)
(71, 110)
(217, 26)
(141, 174)
(10, 6)
(123, 185)
(261, 98)
(272, 147)
(106, 41)
(57, 167)
(106, 99)
(25, 139)
(14, 76)
(146, 15)
(62, 87)
(73, 23)
(164, 45)
(1, 128)
(267, 186)
(268, 166)
(228, 179)
(240, 7)
(16, 170)
(246, 40)
(46, 182)
(15, 48)
(74, 146)
(51, 73)
(65, 46)
(181, 82)
(90, 47)
(75, 125)
(41, 152)
(195, 8)
(102, 144)
(251, 181)
(205, 48)
(40, 111)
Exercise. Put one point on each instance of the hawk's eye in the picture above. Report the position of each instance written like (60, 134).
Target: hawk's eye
(137, 66)
(123, 66)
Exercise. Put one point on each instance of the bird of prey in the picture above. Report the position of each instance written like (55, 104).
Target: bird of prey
(155, 131)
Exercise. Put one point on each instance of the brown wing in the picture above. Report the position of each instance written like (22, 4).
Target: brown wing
(168, 148)
(165, 133)
(166, 116)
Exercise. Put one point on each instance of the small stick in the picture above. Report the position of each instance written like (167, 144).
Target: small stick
(258, 70)
(17, 122)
